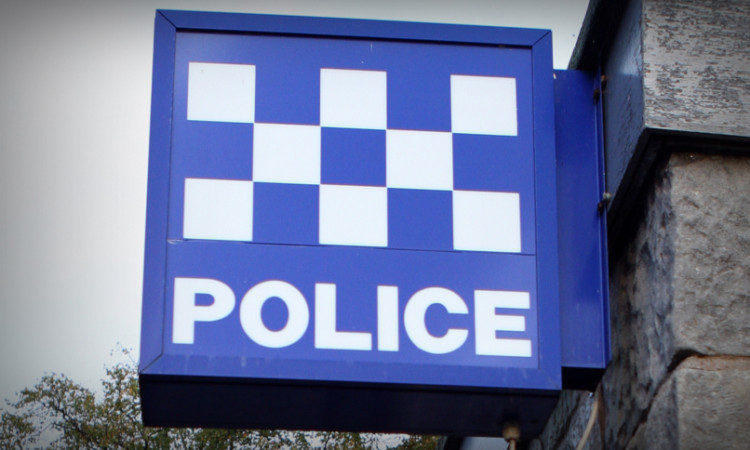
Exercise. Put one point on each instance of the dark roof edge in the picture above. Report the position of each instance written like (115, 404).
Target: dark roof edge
(597, 31)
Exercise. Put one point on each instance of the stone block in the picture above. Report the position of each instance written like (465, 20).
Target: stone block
(702, 404)
(659, 430)
(680, 287)
(682, 284)
(696, 66)
(713, 403)
(678, 82)
(711, 220)
(641, 305)
(567, 423)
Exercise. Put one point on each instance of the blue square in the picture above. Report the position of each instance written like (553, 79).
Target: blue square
(285, 213)
(492, 163)
(352, 156)
(213, 149)
(420, 219)
(287, 96)
(419, 96)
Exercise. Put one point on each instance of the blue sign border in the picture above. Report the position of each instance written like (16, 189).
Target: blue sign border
(154, 361)
(584, 288)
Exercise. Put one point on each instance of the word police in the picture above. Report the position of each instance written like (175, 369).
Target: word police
(487, 321)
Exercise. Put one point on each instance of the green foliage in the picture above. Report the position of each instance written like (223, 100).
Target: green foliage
(16, 430)
(56, 405)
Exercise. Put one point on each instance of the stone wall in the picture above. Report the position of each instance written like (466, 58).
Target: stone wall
(677, 147)
(680, 302)
(696, 65)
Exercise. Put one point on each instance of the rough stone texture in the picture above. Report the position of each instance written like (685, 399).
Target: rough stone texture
(711, 201)
(660, 428)
(641, 292)
(678, 80)
(713, 403)
(679, 288)
(671, 65)
(572, 409)
(703, 404)
(680, 280)
(697, 65)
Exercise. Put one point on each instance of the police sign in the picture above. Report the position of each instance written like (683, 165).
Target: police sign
(347, 206)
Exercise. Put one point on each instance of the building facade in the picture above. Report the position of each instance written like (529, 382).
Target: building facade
(677, 151)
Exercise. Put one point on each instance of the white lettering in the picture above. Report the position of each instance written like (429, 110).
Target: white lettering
(414, 320)
(388, 318)
(186, 312)
(326, 335)
(252, 321)
(488, 322)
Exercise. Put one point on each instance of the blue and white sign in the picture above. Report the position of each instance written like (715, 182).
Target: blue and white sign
(351, 201)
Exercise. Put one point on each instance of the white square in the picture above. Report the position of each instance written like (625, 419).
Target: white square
(286, 153)
(487, 221)
(354, 215)
(353, 99)
(221, 92)
(218, 209)
(484, 105)
(419, 159)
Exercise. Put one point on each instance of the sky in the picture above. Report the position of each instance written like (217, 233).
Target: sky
(75, 92)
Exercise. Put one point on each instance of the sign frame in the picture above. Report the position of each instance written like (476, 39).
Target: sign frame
(164, 376)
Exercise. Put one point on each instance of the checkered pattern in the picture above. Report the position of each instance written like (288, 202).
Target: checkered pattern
(350, 180)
